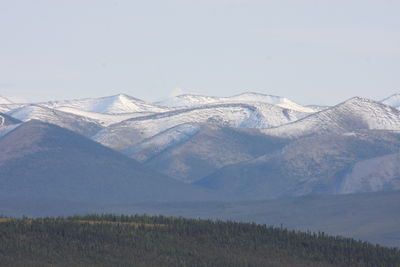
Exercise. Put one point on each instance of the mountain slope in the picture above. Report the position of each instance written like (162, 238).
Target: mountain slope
(130, 132)
(371, 175)
(189, 100)
(116, 104)
(101, 118)
(353, 115)
(41, 160)
(79, 124)
(6, 120)
(311, 165)
(189, 152)
(7, 124)
(393, 100)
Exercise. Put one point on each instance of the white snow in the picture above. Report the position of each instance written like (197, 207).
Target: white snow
(32, 112)
(116, 104)
(7, 108)
(258, 115)
(393, 100)
(162, 141)
(356, 113)
(4, 100)
(189, 100)
(103, 119)
(45, 114)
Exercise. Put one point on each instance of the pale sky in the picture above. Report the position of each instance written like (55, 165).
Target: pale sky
(312, 51)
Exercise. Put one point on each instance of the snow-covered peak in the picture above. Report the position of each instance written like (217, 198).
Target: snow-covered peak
(116, 104)
(393, 100)
(354, 114)
(79, 124)
(190, 100)
(30, 112)
(237, 115)
(271, 99)
(4, 100)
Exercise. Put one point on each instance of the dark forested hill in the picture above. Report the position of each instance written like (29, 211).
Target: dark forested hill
(110, 240)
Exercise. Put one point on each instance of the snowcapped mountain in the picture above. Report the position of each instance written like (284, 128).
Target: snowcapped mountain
(7, 124)
(103, 119)
(5, 104)
(237, 115)
(189, 100)
(6, 120)
(79, 124)
(393, 100)
(4, 100)
(277, 142)
(160, 142)
(116, 104)
(5, 108)
(351, 115)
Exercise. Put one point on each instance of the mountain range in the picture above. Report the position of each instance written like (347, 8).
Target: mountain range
(249, 147)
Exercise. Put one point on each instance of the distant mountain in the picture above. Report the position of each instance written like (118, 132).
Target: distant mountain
(313, 165)
(4, 100)
(373, 175)
(6, 120)
(249, 146)
(393, 100)
(7, 124)
(189, 100)
(116, 104)
(5, 104)
(41, 160)
(257, 115)
(189, 152)
(317, 108)
(352, 115)
(102, 118)
(79, 124)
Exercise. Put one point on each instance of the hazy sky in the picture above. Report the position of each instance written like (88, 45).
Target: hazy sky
(312, 51)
